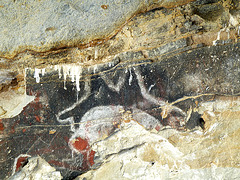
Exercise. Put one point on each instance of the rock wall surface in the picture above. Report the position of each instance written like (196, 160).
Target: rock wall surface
(65, 23)
(120, 89)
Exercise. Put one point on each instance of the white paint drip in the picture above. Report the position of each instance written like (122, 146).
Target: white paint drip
(43, 71)
(130, 77)
(233, 21)
(70, 70)
(36, 74)
(94, 69)
(64, 82)
(58, 68)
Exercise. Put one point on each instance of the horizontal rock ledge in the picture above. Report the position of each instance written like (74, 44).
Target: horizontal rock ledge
(44, 25)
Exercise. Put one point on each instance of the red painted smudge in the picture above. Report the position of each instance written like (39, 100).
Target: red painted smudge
(66, 138)
(56, 163)
(20, 162)
(13, 126)
(80, 144)
(24, 130)
(157, 127)
(37, 98)
(36, 106)
(30, 92)
(38, 119)
(12, 129)
(2, 142)
(91, 157)
(1, 125)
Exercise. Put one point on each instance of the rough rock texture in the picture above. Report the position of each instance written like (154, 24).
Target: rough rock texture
(65, 23)
(212, 153)
(36, 168)
(121, 89)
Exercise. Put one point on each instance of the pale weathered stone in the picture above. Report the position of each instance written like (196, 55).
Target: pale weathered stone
(12, 103)
(130, 136)
(13, 97)
(37, 168)
(212, 153)
(144, 32)
(65, 23)
(5, 78)
(100, 122)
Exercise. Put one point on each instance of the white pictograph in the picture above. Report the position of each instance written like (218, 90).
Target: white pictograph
(164, 105)
(100, 121)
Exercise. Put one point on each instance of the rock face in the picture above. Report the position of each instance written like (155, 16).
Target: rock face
(134, 153)
(37, 168)
(65, 23)
(120, 89)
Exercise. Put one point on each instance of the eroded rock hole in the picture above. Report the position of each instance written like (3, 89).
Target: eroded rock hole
(24, 163)
(202, 123)
(195, 120)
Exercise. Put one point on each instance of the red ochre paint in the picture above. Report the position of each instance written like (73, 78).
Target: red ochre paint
(81, 144)
(20, 162)
(38, 119)
(12, 130)
(57, 163)
(13, 126)
(91, 157)
(24, 130)
(1, 125)
(84, 148)
(157, 127)
(66, 138)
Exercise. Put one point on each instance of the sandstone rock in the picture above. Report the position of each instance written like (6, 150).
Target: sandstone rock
(13, 97)
(166, 25)
(65, 23)
(146, 89)
(12, 103)
(100, 122)
(134, 153)
(36, 168)
(5, 77)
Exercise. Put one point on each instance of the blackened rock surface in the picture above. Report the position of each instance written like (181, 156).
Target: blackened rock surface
(173, 46)
(195, 120)
(46, 126)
